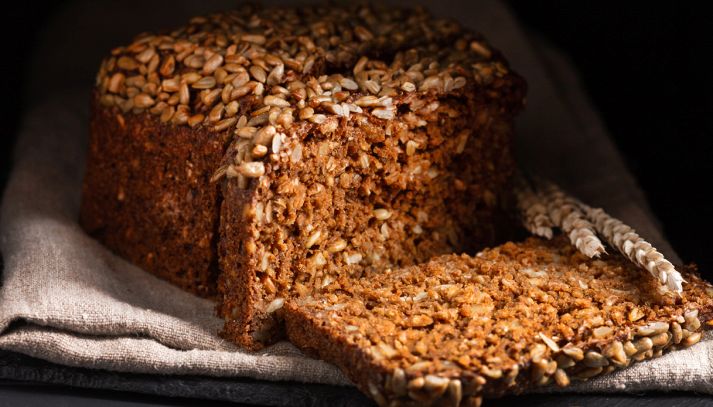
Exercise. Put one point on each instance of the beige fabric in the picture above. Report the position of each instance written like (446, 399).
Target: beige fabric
(66, 299)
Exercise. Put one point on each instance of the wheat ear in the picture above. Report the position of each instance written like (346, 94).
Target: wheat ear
(533, 211)
(625, 239)
(566, 213)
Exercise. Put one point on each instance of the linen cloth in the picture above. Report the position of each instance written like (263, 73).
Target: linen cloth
(66, 299)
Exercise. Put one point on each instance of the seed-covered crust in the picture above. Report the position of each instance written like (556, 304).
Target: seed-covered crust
(459, 328)
(258, 72)
(355, 138)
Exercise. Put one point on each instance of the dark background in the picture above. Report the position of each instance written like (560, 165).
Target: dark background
(644, 64)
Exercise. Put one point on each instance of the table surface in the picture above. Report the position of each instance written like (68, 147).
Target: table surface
(27, 394)
(39, 389)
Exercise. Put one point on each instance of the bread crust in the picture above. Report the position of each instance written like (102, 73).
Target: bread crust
(147, 196)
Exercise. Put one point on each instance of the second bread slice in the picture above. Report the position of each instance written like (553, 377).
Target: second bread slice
(520, 315)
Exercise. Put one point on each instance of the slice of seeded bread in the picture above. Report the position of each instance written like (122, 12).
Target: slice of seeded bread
(459, 328)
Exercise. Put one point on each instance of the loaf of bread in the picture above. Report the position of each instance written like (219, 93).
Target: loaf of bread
(459, 328)
(259, 155)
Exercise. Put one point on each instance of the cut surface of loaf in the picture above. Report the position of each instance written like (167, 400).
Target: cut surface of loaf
(147, 195)
(459, 328)
(339, 140)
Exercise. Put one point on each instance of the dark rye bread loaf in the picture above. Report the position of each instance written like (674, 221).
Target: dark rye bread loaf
(286, 151)
(460, 328)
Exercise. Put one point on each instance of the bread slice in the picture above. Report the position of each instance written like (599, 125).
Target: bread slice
(339, 139)
(459, 328)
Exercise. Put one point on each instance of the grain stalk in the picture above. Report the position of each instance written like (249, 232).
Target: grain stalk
(566, 213)
(533, 211)
(625, 239)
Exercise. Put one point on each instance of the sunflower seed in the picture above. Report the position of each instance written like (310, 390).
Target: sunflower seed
(595, 359)
(254, 38)
(194, 61)
(275, 305)
(386, 114)
(313, 238)
(691, 340)
(184, 94)
(252, 169)
(258, 73)
(354, 258)
(143, 100)
(676, 332)
(573, 352)
(264, 135)
(246, 132)
(398, 382)
(563, 361)
(635, 314)
(630, 349)
(661, 339)
(615, 352)
(168, 66)
(271, 100)
(276, 143)
(549, 342)
(206, 82)
(127, 63)
(643, 344)
(116, 82)
(435, 385)
(276, 75)
(491, 373)
(692, 322)
(652, 328)
(216, 113)
(602, 332)
(167, 114)
(337, 246)
(224, 124)
(455, 392)
(382, 214)
(561, 378)
(259, 151)
(408, 87)
(209, 97)
(416, 383)
(212, 64)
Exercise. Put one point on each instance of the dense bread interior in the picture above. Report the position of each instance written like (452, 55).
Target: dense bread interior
(147, 195)
(512, 317)
(363, 194)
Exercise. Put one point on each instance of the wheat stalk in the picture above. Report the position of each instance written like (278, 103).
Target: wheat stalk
(566, 213)
(533, 211)
(624, 238)
(547, 206)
